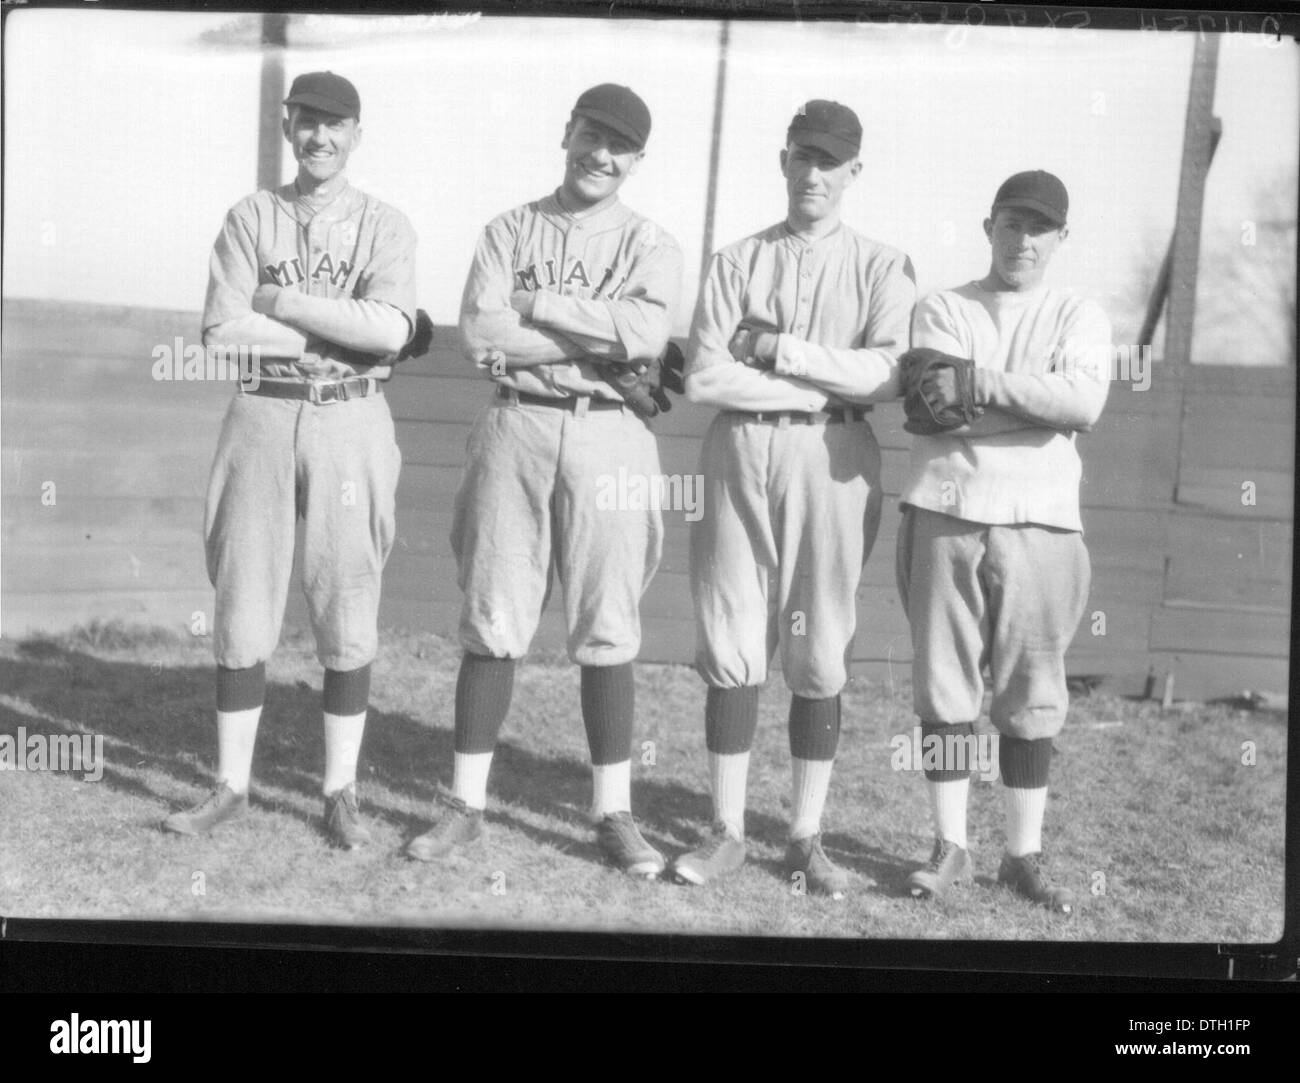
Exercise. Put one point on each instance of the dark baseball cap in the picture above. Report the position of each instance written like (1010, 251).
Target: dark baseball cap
(1035, 190)
(327, 92)
(616, 107)
(829, 126)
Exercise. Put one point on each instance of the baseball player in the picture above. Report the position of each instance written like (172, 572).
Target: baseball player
(319, 279)
(798, 330)
(560, 290)
(992, 567)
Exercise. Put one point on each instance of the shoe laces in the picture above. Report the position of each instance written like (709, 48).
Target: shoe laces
(1032, 866)
(213, 799)
(455, 810)
(715, 842)
(942, 847)
(623, 825)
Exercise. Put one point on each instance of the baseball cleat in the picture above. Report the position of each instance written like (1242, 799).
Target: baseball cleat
(821, 875)
(722, 853)
(343, 819)
(1024, 875)
(624, 848)
(949, 863)
(220, 805)
(459, 826)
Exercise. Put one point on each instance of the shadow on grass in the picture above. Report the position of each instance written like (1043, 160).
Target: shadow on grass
(160, 720)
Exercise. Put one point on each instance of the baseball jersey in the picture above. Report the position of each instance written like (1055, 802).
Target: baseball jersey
(354, 247)
(840, 305)
(1043, 357)
(604, 287)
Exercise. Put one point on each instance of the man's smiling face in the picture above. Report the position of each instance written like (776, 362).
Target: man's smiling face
(321, 142)
(597, 161)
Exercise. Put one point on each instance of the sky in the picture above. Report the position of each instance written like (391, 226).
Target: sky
(128, 135)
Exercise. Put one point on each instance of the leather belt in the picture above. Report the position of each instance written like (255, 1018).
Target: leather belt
(570, 403)
(356, 387)
(833, 415)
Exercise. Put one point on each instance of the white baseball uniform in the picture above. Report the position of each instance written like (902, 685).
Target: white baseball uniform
(334, 463)
(604, 288)
(991, 559)
(791, 466)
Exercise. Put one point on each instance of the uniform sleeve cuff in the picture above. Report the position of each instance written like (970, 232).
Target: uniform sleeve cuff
(790, 359)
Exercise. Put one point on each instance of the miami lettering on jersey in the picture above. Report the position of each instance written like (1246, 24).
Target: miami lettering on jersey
(288, 272)
(529, 278)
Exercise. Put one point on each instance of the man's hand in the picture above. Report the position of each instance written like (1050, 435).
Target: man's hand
(522, 302)
(938, 391)
(940, 388)
(264, 298)
(754, 346)
(642, 383)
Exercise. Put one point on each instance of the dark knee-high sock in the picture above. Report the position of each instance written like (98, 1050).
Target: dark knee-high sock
(343, 704)
(1025, 766)
(947, 778)
(240, 693)
(608, 710)
(730, 719)
(483, 690)
(814, 737)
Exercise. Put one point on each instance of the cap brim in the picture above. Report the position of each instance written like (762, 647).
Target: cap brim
(322, 104)
(614, 123)
(1048, 212)
(840, 149)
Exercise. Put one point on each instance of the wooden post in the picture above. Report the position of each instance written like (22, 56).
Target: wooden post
(1198, 140)
(270, 137)
(719, 101)
(1159, 295)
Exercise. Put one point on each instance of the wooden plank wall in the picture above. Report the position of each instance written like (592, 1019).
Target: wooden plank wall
(1186, 576)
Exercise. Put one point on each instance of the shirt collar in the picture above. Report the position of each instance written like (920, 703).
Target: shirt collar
(605, 218)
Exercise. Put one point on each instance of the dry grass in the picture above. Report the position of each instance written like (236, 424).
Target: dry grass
(1154, 818)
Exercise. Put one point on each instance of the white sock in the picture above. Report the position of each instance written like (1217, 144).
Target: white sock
(812, 778)
(236, 735)
(948, 805)
(469, 780)
(342, 747)
(1025, 810)
(728, 775)
(611, 788)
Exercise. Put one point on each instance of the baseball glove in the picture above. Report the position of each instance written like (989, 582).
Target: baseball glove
(420, 341)
(938, 391)
(751, 340)
(642, 385)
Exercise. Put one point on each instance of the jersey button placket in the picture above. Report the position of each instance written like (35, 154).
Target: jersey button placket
(802, 293)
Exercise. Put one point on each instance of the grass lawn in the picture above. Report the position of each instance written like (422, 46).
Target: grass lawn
(1154, 818)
